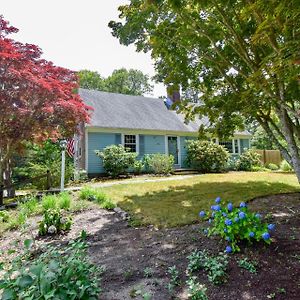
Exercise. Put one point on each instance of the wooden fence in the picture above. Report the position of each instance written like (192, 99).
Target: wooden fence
(270, 156)
(47, 185)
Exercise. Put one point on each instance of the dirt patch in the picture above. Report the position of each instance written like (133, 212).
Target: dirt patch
(127, 252)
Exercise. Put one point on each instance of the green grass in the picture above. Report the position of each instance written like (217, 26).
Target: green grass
(177, 202)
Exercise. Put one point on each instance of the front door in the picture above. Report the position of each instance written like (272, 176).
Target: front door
(173, 148)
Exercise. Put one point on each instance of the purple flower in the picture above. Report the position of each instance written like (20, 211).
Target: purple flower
(271, 226)
(228, 249)
(228, 222)
(229, 206)
(224, 214)
(251, 234)
(202, 214)
(218, 200)
(242, 215)
(243, 204)
(265, 236)
(258, 216)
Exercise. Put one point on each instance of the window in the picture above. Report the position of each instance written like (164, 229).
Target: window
(130, 142)
(228, 145)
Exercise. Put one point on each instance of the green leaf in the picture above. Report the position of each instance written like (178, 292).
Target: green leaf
(8, 294)
(28, 243)
(25, 281)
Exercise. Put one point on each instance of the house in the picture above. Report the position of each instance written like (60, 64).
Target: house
(144, 125)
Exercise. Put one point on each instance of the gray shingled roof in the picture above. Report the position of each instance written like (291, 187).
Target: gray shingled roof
(135, 112)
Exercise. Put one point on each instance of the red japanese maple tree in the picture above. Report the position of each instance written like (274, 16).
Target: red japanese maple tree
(37, 99)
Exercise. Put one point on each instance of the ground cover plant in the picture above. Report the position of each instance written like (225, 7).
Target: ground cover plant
(175, 202)
(96, 195)
(56, 273)
(236, 224)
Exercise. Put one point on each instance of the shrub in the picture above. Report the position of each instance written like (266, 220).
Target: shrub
(272, 167)
(57, 273)
(138, 167)
(54, 221)
(116, 160)
(232, 163)
(159, 163)
(206, 156)
(285, 166)
(248, 160)
(236, 224)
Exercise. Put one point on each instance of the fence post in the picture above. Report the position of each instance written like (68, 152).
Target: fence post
(1, 194)
(48, 183)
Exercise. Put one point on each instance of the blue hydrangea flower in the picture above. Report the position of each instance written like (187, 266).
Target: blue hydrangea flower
(236, 219)
(265, 236)
(229, 206)
(225, 230)
(228, 249)
(242, 215)
(228, 238)
(216, 207)
(243, 204)
(251, 234)
(258, 216)
(218, 200)
(224, 214)
(205, 231)
(228, 222)
(202, 214)
(271, 226)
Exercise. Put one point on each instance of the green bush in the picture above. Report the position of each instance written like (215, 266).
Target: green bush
(248, 160)
(116, 160)
(49, 202)
(159, 163)
(206, 156)
(54, 221)
(96, 195)
(285, 166)
(57, 273)
(4, 217)
(138, 167)
(236, 224)
(272, 167)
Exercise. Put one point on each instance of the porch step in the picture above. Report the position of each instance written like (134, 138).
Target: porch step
(185, 171)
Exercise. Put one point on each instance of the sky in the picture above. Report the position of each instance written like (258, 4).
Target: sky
(74, 34)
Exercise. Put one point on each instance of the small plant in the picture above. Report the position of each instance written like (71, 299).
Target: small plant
(116, 159)
(236, 224)
(285, 166)
(54, 221)
(216, 266)
(159, 163)
(96, 195)
(248, 265)
(248, 160)
(4, 217)
(196, 291)
(64, 201)
(29, 207)
(174, 280)
(55, 274)
(148, 272)
(272, 167)
(49, 202)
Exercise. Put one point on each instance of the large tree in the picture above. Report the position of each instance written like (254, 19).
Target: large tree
(241, 55)
(37, 99)
(122, 81)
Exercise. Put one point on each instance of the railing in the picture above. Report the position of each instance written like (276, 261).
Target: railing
(5, 188)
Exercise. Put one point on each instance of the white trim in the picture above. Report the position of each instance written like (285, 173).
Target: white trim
(239, 146)
(137, 141)
(86, 164)
(179, 151)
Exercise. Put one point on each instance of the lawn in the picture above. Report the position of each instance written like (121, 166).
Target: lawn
(177, 202)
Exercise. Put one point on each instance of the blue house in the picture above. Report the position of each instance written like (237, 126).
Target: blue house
(144, 125)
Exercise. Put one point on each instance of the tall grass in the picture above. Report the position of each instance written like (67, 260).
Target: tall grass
(64, 200)
(96, 195)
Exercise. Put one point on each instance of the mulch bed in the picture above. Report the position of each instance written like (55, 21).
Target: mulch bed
(127, 251)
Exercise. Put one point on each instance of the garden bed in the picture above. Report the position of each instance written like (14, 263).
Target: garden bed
(137, 259)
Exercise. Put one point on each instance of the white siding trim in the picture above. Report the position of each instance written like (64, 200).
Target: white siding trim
(239, 146)
(86, 150)
(179, 151)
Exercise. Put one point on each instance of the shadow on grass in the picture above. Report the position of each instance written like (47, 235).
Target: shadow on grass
(180, 205)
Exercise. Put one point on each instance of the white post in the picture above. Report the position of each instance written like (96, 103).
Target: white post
(63, 144)
(76, 157)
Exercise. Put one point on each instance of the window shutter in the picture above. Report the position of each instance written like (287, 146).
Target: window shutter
(142, 145)
(118, 139)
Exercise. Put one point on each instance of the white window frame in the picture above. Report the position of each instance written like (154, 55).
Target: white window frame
(137, 141)
(233, 145)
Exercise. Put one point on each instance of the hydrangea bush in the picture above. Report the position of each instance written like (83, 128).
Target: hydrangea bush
(236, 224)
